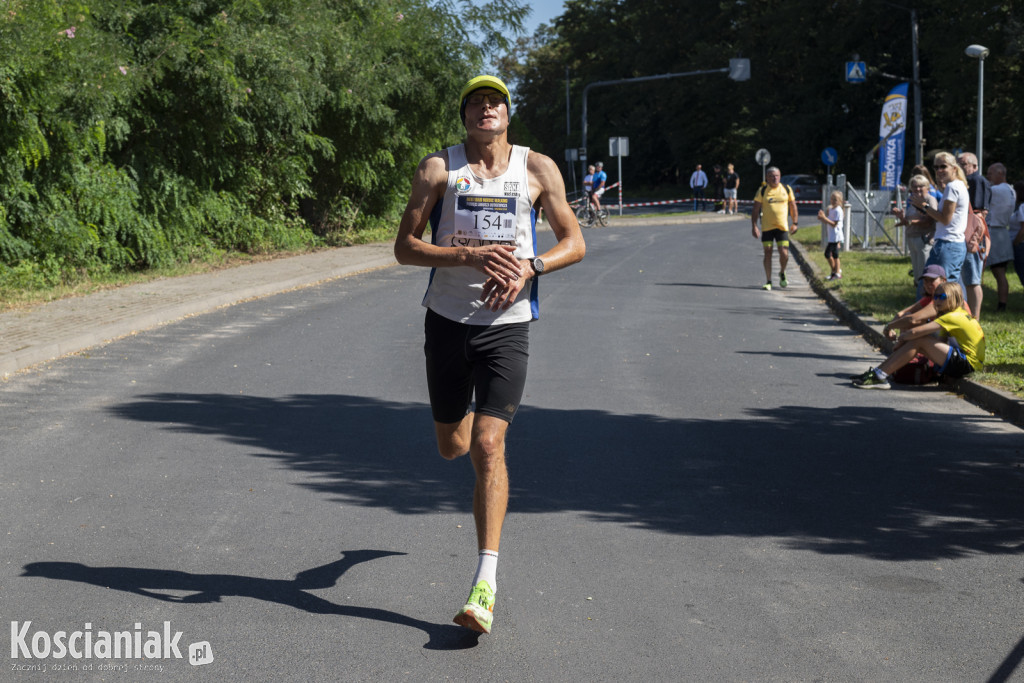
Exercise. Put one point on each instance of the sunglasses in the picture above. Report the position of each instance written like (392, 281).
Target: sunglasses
(939, 167)
(493, 99)
(940, 297)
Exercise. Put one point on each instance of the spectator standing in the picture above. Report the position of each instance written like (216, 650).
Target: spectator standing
(588, 184)
(774, 204)
(1017, 224)
(920, 227)
(698, 182)
(718, 186)
(977, 185)
(980, 192)
(948, 247)
(1000, 209)
(730, 189)
(834, 222)
(933, 187)
(600, 183)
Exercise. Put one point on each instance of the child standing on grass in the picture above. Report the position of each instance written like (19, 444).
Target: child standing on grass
(834, 221)
(959, 354)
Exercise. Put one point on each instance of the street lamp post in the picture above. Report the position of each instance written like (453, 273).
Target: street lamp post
(738, 70)
(979, 52)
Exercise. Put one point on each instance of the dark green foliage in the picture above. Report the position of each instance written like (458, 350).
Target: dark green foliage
(136, 133)
(796, 103)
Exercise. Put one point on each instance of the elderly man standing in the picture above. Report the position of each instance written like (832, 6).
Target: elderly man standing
(1000, 209)
(774, 204)
(479, 198)
(980, 193)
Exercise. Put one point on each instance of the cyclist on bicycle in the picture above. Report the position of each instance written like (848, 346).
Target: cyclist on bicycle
(600, 178)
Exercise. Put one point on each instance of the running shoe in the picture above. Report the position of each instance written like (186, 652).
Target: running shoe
(872, 382)
(783, 282)
(862, 376)
(767, 286)
(478, 612)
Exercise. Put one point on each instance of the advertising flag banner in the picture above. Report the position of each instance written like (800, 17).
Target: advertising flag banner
(892, 131)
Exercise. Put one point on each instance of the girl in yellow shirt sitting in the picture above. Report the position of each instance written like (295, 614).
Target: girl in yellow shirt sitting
(958, 351)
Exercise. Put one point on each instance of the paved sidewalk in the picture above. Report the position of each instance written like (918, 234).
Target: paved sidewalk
(66, 326)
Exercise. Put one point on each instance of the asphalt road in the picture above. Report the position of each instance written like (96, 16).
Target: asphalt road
(698, 493)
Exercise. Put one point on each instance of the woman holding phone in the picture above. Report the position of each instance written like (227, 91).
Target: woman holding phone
(949, 248)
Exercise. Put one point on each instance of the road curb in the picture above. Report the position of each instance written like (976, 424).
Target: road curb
(995, 400)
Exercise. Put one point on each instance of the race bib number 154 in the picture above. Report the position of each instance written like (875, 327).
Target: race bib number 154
(486, 218)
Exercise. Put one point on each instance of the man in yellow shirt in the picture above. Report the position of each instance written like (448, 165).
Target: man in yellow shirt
(772, 203)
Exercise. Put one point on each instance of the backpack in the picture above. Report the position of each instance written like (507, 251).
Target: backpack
(919, 370)
(759, 196)
(976, 231)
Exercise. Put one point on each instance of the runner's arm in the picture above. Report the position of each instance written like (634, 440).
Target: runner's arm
(497, 261)
(547, 186)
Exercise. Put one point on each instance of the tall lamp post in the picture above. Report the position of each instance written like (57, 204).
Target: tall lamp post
(979, 52)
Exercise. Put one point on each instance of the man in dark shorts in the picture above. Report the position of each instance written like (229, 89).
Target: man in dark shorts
(479, 200)
(774, 203)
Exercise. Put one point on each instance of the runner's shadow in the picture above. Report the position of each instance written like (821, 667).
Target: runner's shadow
(210, 588)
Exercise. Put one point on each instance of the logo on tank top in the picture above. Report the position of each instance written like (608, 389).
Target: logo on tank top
(512, 189)
(463, 184)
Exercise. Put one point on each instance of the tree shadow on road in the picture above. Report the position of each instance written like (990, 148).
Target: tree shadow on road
(871, 482)
(210, 588)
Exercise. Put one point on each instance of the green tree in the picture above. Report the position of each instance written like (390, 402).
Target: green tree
(141, 132)
(796, 102)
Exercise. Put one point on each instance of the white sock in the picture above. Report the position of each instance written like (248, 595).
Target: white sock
(881, 375)
(487, 568)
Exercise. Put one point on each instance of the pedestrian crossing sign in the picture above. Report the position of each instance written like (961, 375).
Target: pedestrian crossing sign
(856, 72)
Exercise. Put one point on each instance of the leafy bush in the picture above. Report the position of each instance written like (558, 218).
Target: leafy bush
(140, 133)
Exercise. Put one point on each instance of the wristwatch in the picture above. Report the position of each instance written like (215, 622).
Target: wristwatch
(538, 265)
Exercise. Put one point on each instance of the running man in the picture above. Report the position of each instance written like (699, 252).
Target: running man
(772, 203)
(478, 197)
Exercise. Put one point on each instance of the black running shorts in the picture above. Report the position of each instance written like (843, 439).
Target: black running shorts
(956, 364)
(489, 360)
(780, 237)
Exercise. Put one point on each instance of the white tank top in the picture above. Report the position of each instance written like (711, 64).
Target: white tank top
(477, 211)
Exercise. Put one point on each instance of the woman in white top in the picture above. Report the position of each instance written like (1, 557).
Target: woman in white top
(950, 218)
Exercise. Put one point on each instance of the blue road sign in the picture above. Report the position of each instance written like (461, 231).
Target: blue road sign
(829, 156)
(856, 72)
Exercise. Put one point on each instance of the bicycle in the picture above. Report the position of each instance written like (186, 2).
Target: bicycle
(587, 215)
